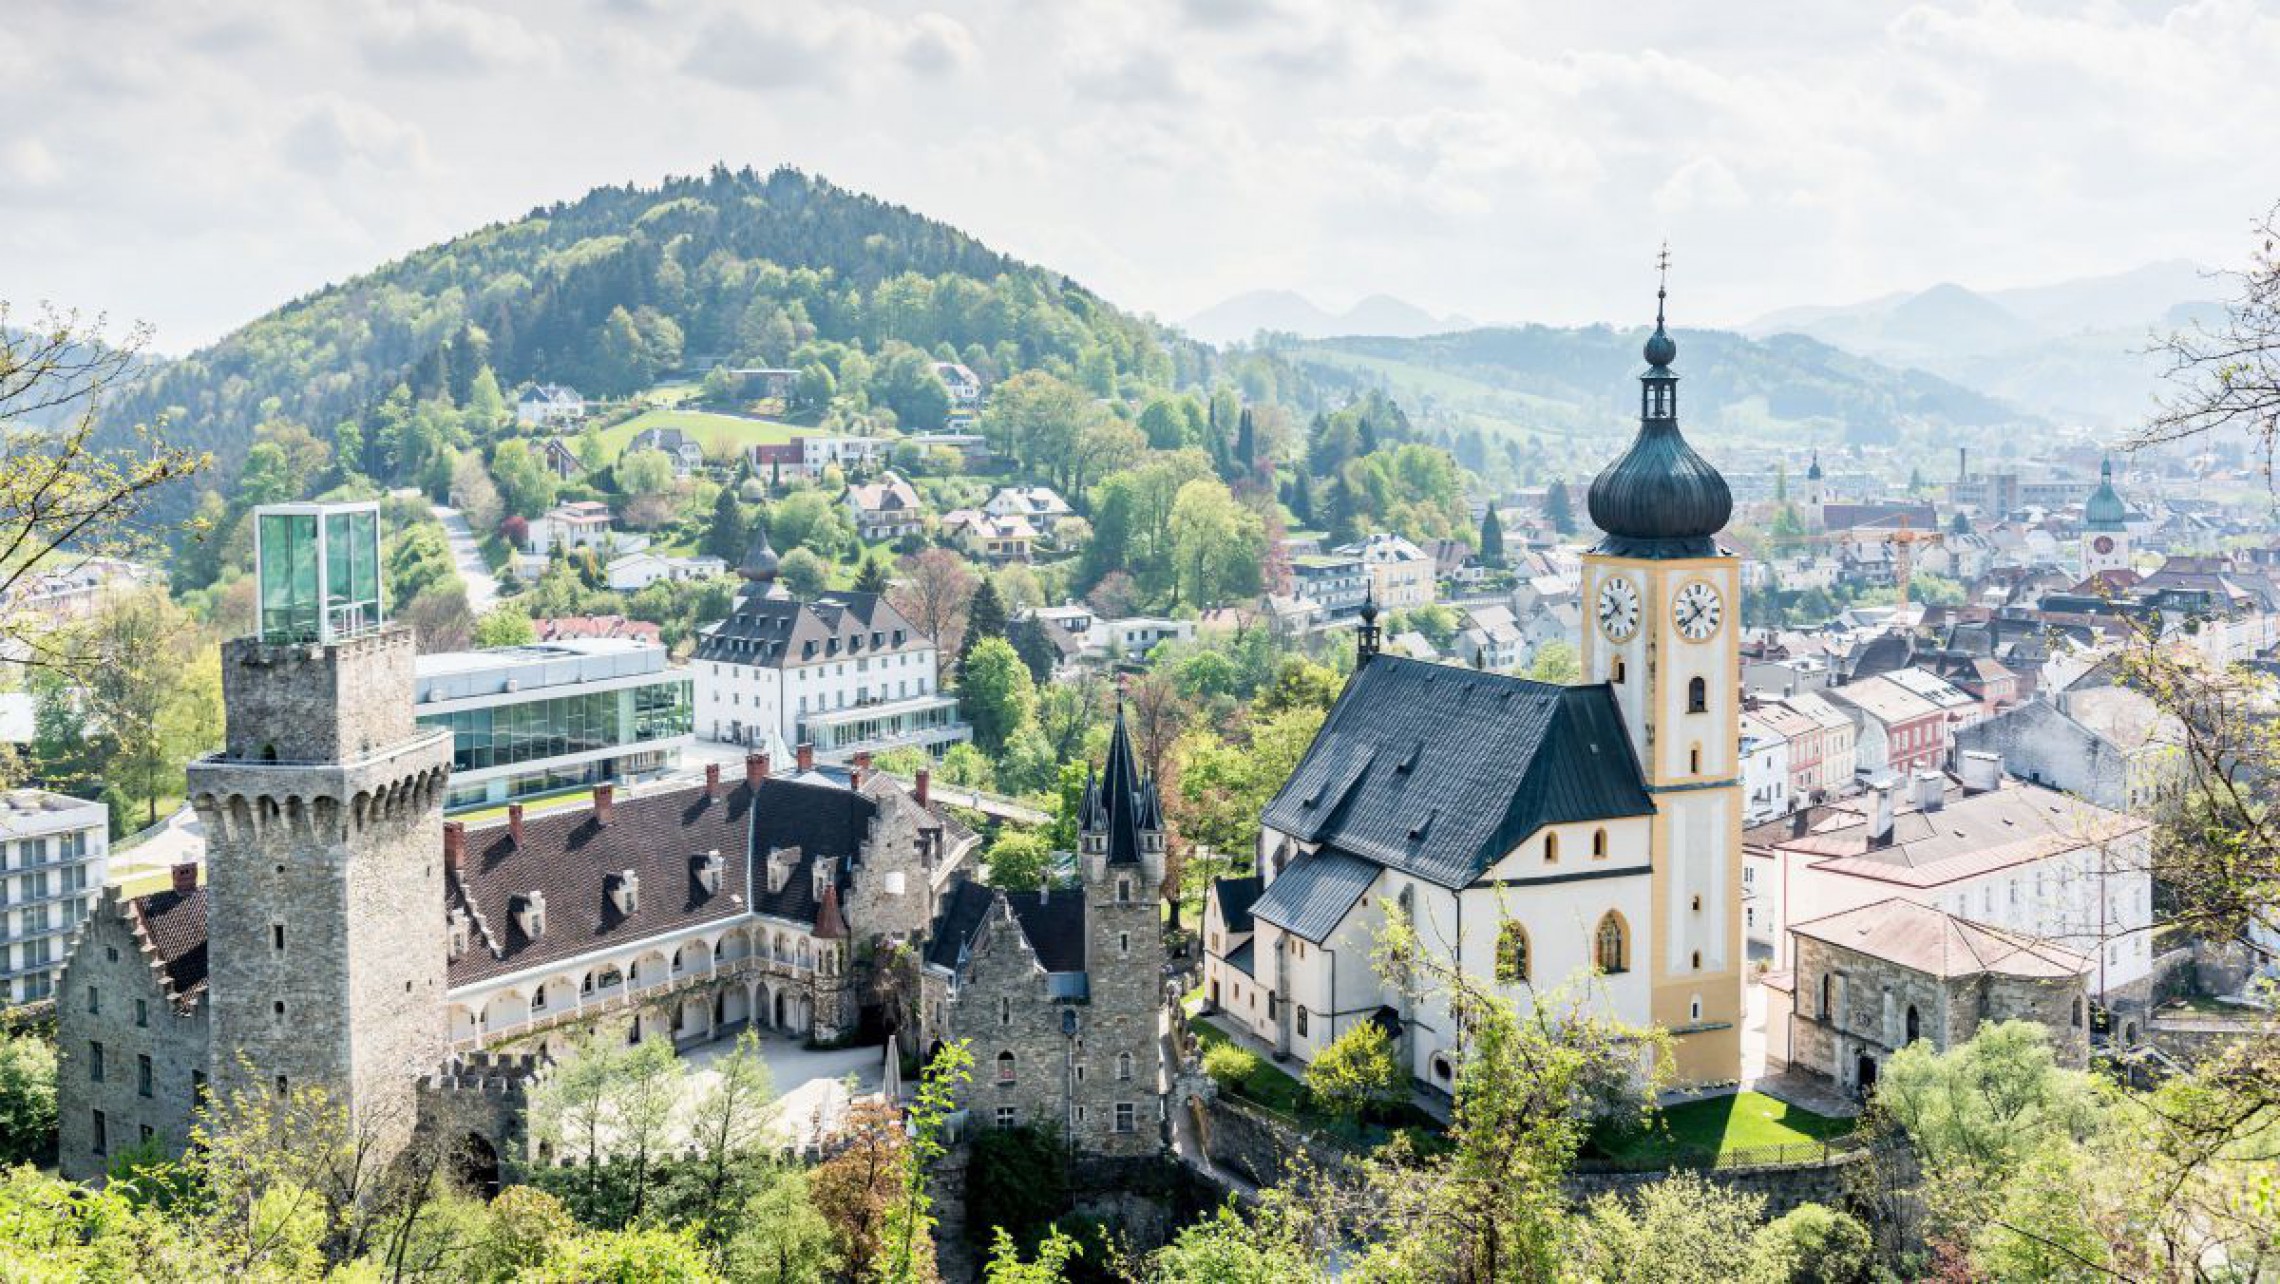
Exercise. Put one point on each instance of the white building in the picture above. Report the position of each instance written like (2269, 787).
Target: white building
(846, 673)
(1040, 504)
(633, 572)
(1987, 847)
(54, 854)
(549, 405)
(1765, 770)
(1400, 572)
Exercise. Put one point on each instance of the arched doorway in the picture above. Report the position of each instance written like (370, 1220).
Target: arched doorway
(782, 1007)
(1864, 1074)
(479, 1165)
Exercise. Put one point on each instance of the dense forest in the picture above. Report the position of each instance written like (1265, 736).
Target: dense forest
(627, 284)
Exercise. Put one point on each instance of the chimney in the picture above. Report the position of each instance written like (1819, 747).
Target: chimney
(1982, 772)
(755, 769)
(855, 774)
(712, 780)
(454, 845)
(605, 802)
(807, 755)
(1880, 817)
(863, 759)
(186, 876)
(1931, 790)
(514, 823)
(925, 782)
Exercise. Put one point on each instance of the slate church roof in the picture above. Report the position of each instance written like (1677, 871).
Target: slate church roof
(1439, 771)
(1119, 801)
(1311, 897)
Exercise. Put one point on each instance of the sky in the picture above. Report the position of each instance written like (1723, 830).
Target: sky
(195, 163)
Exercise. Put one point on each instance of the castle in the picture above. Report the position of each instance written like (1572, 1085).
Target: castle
(347, 938)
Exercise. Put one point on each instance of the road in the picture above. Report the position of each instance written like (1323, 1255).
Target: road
(482, 586)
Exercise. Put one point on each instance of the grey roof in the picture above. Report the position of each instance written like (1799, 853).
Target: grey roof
(1439, 771)
(1311, 897)
(1236, 897)
(1242, 959)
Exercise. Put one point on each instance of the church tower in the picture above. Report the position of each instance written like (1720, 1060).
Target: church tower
(324, 836)
(1664, 600)
(1121, 839)
(2105, 527)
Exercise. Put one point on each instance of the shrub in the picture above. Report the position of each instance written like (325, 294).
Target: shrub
(1229, 1066)
(1357, 1073)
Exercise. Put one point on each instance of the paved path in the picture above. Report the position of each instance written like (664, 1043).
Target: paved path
(813, 1087)
(180, 838)
(482, 586)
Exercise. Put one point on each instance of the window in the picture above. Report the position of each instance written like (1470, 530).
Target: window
(1697, 696)
(1005, 1067)
(1124, 891)
(1825, 989)
(142, 1012)
(1007, 1118)
(277, 936)
(1694, 1008)
(283, 1087)
(1599, 844)
(1697, 960)
(1124, 944)
(1005, 1012)
(1694, 761)
(1512, 954)
(2078, 1012)
(94, 1002)
(1617, 676)
(95, 1063)
(145, 1130)
(1126, 1117)
(1913, 1025)
(1302, 1021)
(102, 1134)
(1551, 849)
(1610, 952)
(142, 1075)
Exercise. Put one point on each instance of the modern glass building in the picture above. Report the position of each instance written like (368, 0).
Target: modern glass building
(533, 720)
(319, 571)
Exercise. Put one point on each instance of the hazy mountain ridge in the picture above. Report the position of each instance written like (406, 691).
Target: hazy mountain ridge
(1241, 318)
(2072, 349)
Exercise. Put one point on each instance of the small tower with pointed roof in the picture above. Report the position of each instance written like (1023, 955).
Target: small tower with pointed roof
(1816, 490)
(1121, 861)
(2105, 527)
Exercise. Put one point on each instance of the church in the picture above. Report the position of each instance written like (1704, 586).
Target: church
(1580, 841)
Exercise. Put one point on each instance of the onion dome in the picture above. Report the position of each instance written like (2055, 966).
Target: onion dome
(1660, 499)
(1814, 473)
(2104, 510)
(760, 563)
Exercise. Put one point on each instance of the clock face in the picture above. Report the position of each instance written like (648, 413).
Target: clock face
(1619, 608)
(1696, 611)
(2104, 543)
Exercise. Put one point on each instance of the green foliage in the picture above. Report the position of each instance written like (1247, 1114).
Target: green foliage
(1270, 1247)
(730, 530)
(812, 520)
(996, 693)
(1811, 1244)
(1680, 1230)
(525, 483)
(1020, 860)
(1229, 1066)
(1051, 1265)
(1017, 1182)
(1556, 662)
(1357, 1073)
(1559, 510)
(27, 1099)
(803, 574)
(505, 625)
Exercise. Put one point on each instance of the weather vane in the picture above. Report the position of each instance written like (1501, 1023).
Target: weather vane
(1662, 269)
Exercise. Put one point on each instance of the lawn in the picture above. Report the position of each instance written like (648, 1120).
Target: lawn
(1266, 1085)
(1744, 1121)
(719, 433)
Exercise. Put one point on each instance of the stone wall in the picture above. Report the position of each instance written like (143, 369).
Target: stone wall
(1783, 1186)
(1256, 1144)
(1003, 1010)
(326, 936)
(892, 895)
(1869, 999)
(1120, 1043)
(109, 959)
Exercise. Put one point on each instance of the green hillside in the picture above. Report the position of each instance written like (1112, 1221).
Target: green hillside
(627, 285)
(1570, 388)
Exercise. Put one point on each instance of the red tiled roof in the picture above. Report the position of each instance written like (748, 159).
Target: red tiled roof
(175, 925)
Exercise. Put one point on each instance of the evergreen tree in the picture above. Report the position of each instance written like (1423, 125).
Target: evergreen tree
(730, 531)
(872, 578)
(1246, 443)
(1961, 524)
(1557, 510)
(1338, 513)
(1302, 496)
(1915, 481)
(985, 618)
(1780, 483)
(1035, 647)
(1491, 539)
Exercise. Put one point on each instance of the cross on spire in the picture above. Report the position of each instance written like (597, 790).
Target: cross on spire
(1662, 280)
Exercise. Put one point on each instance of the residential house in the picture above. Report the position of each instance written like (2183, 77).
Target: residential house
(996, 539)
(1491, 639)
(1336, 584)
(549, 405)
(1825, 761)
(888, 508)
(1766, 777)
(633, 572)
(581, 523)
(686, 452)
(561, 460)
(2110, 745)
(1400, 573)
(1897, 731)
(563, 628)
(1039, 504)
(965, 389)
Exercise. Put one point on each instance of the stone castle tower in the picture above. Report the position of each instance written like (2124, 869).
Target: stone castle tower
(1121, 863)
(326, 937)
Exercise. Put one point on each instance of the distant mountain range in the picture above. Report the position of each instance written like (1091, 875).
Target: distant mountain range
(1571, 390)
(2075, 350)
(1241, 318)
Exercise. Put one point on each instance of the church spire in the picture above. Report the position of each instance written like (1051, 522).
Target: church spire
(1366, 636)
(1660, 499)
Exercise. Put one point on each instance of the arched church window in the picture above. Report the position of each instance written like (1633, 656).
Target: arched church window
(1599, 844)
(1512, 954)
(1697, 695)
(1610, 951)
(1551, 848)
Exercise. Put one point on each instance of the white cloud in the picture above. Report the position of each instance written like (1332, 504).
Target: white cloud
(332, 134)
(437, 38)
(1703, 183)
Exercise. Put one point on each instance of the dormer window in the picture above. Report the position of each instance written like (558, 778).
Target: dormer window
(458, 932)
(825, 870)
(708, 872)
(530, 914)
(780, 863)
(624, 888)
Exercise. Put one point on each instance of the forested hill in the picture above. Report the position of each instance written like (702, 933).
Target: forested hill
(626, 284)
(1571, 385)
